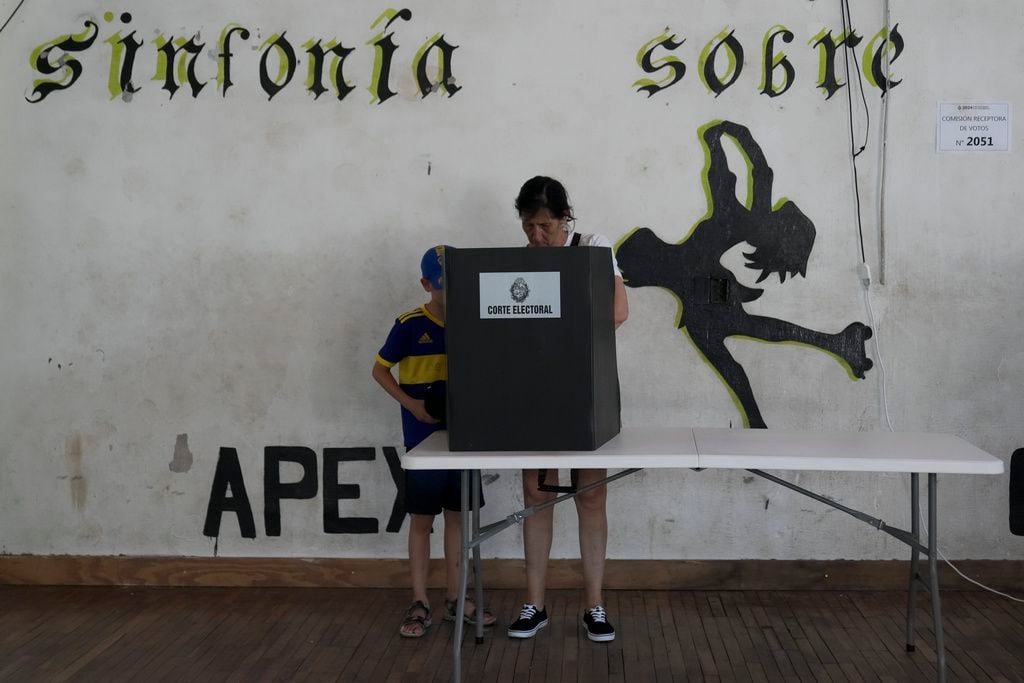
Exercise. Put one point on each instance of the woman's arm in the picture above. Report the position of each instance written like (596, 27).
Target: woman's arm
(620, 306)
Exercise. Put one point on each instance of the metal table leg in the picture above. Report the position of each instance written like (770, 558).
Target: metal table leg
(933, 571)
(478, 578)
(932, 584)
(915, 577)
(463, 578)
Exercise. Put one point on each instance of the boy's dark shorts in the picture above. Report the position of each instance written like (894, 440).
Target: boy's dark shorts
(427, 492)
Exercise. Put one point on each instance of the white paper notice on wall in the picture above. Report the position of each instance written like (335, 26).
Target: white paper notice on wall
(521, 295)
(973, 127)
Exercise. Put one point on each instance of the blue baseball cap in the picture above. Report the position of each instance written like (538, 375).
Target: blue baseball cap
(432, 266)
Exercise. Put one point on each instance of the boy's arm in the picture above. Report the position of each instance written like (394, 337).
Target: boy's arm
(387, 381)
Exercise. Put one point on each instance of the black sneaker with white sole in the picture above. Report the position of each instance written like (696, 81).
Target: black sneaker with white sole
(529, 622)
(598, 627)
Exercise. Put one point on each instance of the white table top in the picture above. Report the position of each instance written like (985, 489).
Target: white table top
(765, 449)
(769, 449)
(629, 448)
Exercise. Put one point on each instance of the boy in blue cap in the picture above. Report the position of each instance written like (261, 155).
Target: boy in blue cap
(416, 345)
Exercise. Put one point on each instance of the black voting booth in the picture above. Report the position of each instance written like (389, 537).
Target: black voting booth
(530, 339)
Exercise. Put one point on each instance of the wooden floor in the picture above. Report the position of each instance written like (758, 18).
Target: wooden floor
(250, 634)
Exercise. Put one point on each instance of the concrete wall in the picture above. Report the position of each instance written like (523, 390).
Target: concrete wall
(185, 274)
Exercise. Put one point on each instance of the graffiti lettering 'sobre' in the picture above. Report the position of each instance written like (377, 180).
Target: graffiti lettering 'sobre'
(876, 57)
(710, 296)
(670, 63)
(176, 62)
(775, 60)
(722, 60)
(828, 47)
(228, 479)
(725, 43)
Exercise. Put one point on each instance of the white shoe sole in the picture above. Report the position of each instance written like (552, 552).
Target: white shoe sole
(528, 634)
(600, 638)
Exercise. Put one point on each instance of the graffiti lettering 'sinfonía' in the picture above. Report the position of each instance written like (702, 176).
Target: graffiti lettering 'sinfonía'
(712, 298)
(179, 61)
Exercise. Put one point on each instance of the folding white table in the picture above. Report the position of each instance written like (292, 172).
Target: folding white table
(754, 450)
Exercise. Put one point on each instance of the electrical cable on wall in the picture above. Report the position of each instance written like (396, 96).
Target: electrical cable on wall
(863, 269)
(883, 146)
(848, 30)
(854, 153)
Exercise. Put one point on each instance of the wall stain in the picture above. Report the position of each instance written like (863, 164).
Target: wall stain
(74, 447)
(182, 461)
(239, 216)
(75, 167)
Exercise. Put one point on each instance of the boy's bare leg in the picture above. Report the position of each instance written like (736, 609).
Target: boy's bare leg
(419, 554)
(537, 531)
(593, 530)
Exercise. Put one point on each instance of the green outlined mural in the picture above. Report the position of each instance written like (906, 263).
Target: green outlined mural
(710, 297)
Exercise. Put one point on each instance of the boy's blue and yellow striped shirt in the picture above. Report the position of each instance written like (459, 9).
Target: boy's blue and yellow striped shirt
(416, 345)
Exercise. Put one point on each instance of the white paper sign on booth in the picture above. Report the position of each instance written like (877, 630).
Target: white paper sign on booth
(520, 295)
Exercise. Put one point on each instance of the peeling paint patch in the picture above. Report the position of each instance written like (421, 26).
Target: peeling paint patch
(182, 461)
(488, 479)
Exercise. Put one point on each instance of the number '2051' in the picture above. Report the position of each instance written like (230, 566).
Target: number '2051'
(979, 142)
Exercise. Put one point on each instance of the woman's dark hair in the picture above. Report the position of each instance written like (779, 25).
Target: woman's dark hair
(541, 192)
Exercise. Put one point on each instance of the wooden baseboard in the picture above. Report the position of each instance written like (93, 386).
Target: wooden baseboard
(392, 573)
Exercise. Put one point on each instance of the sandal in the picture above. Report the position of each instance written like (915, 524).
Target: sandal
(412, 620)
(451, 608)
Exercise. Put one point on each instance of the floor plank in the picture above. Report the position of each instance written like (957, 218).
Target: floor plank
(313, 634)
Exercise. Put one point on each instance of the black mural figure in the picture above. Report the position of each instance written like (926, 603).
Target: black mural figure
(711, 297)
